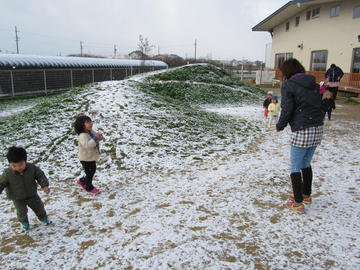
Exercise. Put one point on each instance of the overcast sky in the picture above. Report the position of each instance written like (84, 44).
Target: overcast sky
(222, 27)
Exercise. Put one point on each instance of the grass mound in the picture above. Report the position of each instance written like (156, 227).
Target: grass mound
(199, 73)
(151, 125)
(185, 126)
(40, 128)
(201, 84)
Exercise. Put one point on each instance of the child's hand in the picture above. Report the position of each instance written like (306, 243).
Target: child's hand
(46, 190)
(100, 136)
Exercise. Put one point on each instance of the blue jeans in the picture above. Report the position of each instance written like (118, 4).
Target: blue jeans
(301, 157)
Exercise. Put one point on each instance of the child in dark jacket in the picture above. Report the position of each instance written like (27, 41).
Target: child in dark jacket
(266, 103)
(327, 104)
(20, 181)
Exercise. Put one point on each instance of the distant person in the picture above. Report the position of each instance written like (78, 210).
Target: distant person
(327, 104)
(300, 108)
(20, 181)
(89, 151)
(333, 76)
(274, 110)
(266, 103)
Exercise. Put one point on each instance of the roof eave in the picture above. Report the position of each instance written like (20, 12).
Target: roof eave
(264, 24)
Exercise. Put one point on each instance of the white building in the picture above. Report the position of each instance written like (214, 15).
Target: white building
(317, 33)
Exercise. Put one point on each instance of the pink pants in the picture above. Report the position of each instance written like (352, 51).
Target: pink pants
(266, 112)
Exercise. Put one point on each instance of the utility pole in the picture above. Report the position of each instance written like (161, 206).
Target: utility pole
(81, 48)
(158, 50)
(17, 40)
(195, 49)
(115, 50)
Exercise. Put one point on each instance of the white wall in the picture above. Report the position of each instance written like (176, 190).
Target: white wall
(264, 77)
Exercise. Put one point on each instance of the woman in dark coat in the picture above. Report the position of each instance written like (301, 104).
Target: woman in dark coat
(333, 76)
(300, 108)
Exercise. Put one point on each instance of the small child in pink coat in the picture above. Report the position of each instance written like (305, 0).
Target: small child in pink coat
(323, 87)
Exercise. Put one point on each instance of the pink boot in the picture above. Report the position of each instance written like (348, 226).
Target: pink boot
(80, 183)
(93, 191)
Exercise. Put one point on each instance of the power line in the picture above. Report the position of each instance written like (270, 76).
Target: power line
(57, 38)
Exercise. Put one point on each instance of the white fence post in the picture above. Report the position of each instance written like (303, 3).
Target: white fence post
(12, 83)
(71, 79)
(45, 84)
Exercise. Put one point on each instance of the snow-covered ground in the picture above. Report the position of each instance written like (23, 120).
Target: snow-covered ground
(18, 106)
(223, 213)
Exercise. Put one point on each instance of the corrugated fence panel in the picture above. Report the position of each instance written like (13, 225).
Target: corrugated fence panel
(28, 81)
(5, 83)
(119, 73)
(102, 75)
(58, 79)
(82, 76)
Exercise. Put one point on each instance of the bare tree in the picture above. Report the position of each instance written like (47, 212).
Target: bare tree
(259, 64)
(144, 46)
(248, 65)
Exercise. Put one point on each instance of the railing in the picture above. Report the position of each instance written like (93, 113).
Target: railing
(350, 82)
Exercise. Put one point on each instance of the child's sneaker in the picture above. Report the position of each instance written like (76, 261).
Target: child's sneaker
(93, 191)
(298, 208)
(78, 181)
(46, 222)
(25, 225)
(305, 199)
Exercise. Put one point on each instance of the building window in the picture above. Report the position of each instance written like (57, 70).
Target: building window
(356, 12)
(315, 13)
(312, 14)
(356, 61)
(281, 58)
(297, 21)
(335, 11)
(318, 60)
(287, 26)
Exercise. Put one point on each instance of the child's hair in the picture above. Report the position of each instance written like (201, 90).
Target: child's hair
(16, 154)
(274, 98)
(79, 123)
(327, 94)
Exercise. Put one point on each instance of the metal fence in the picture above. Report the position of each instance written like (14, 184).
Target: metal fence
(243, 74)
(33, 81)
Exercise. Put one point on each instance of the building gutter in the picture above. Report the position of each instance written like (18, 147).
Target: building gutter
(287, 5)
